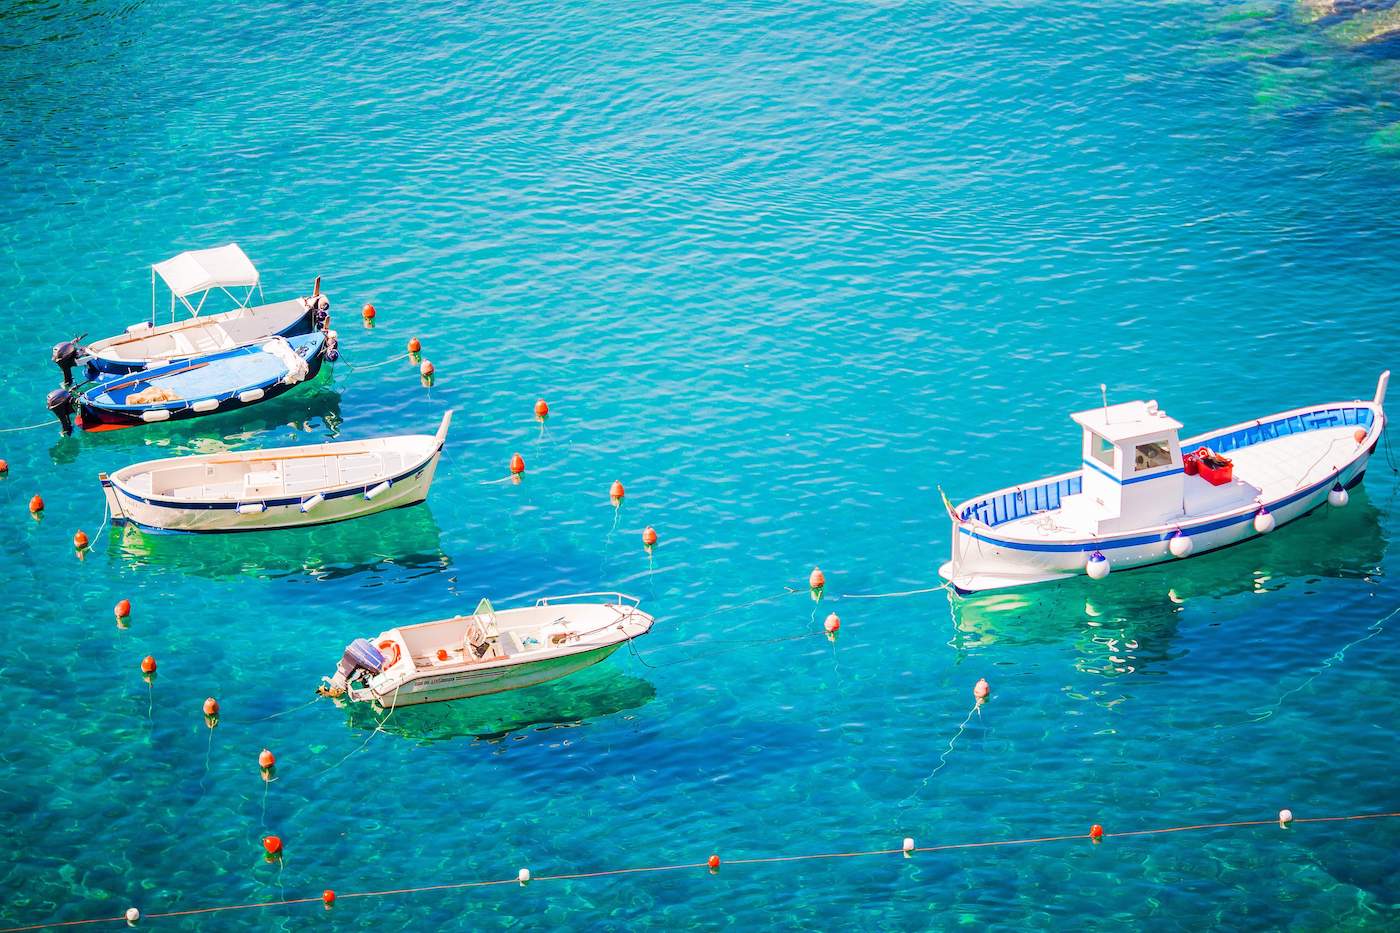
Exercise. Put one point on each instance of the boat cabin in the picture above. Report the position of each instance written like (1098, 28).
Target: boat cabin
(1132, 468)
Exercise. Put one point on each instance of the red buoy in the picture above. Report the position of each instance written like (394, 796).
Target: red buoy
(616, 492)
(368, 312)
(272, 844)
(1359, 434)
(832, 624)
(982, 690)
(413, 345)
(517, 463)
(426, 369)
(36, 505)
(1096, 831)
(649, 536)
(80, 539)
(211, 707)
(148, 665)
(122, 609)
(713, 863)
(818, 579)
(266, 759)
(541, 409)
(328, 897)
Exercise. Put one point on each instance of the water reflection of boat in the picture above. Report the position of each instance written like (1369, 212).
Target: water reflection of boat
(587, 696)
(1125, 621)
(385, 547)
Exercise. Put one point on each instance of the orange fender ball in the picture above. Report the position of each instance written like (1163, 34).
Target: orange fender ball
(1359, 434)
(148, 665)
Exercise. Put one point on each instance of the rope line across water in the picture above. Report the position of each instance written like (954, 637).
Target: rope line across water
(689, 866)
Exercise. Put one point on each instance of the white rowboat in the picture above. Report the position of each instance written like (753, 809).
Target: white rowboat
(1137, 500)
(284, 487)
(487, 651)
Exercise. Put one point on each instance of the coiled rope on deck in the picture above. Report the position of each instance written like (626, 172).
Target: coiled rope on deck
(692, 866)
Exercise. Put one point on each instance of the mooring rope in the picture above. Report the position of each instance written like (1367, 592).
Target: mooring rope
(694, 866)
(356, 368)
(27, 427)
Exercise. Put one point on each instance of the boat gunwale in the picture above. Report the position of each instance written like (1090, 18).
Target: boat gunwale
(1364, 448)
(98, 349)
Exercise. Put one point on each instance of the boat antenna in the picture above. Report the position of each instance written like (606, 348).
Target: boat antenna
(1103, 390)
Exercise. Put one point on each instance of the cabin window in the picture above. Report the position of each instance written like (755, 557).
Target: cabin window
(1101, 449)
(1152, 455)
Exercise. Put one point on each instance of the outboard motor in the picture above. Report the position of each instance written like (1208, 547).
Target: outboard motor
(60, 402)
(66, 356)
(360, 655)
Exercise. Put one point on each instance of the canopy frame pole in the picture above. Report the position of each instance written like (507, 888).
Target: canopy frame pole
(153, 296)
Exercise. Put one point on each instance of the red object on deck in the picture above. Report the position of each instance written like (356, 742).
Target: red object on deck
(1215, 469)
(1191, 463)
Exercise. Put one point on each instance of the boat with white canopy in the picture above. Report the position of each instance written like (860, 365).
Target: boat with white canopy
(1143, 496)
(191, 278)
(487, 651)
(280, 487)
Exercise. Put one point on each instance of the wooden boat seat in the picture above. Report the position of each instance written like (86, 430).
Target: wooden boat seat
(300, 476)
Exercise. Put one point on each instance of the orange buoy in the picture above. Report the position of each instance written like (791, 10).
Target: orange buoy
(713, 863)
(649, 536)
(541, 409)
(1096, 832)
(414, 346)
(982, 690)
(817, 580)
(368, 312)
(211, 707)
(616, 492)
(426, 369)
(328, 897)
(266, 759)
(832, 624)
(80, 539)
(1359, 434)
(122, 609)
(517, 464)
(36, 505)
(272, 844)
(4, 467)
(148, 665)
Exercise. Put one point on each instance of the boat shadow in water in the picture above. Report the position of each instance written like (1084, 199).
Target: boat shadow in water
(387, 547)
(569, 703)
(1125, 622)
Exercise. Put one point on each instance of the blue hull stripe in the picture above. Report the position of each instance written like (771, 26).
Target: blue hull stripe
(1114, 543)
(1135, 479)
(268, 503)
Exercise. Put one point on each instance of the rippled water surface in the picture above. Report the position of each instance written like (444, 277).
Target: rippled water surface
(783, 270)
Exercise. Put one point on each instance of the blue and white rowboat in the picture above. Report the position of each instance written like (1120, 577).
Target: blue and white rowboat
(283, 487)
(1132, 503)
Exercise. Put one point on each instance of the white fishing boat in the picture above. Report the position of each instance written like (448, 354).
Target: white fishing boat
(191, 278)
(1138, 499)
(487, 651)
(285, 487)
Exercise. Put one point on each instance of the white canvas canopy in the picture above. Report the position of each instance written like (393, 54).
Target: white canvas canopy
(203, 270)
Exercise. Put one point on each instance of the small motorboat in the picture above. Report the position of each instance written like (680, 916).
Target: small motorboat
(487, 651)
(196, 274)
(1140, 500)
(218, 382)
(283, 487)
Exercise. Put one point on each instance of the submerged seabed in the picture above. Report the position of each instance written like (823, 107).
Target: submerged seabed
(781, 269)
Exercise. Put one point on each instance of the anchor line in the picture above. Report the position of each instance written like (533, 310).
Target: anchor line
(378, 728)
(27, 427)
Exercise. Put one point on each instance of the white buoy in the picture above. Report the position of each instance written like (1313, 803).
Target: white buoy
(1338, 497)
(1285, 817)
(1097, 567)
(1180, 544)
(524, 876)
(132, 915)
(1264, 521)
(908, 846)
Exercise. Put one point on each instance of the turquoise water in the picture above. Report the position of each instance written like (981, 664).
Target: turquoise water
(783, 270)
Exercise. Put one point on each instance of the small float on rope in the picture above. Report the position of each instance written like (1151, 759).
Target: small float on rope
(280, 487)
(487, 651)
(203, 386)
(1139, 500)
(196, 274)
